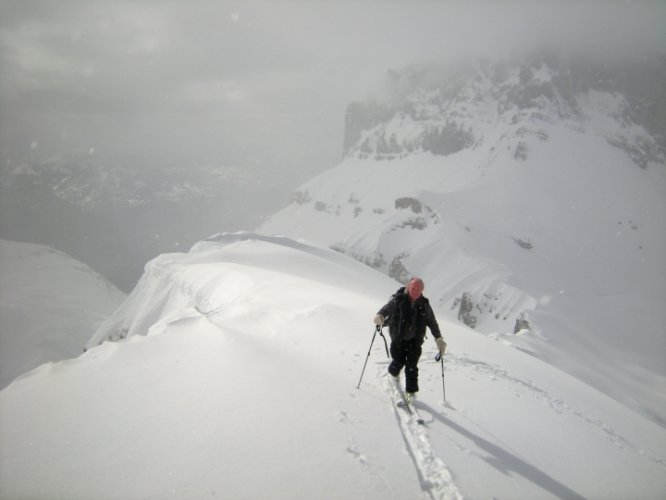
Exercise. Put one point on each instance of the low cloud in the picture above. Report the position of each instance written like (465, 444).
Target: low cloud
(279, 72)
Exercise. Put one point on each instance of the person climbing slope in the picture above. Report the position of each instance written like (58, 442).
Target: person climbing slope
(407, 314)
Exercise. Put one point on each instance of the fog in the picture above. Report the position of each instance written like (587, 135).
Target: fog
(254, 82)
(258, 86)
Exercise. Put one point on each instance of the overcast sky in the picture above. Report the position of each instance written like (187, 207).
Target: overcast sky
(253, 82)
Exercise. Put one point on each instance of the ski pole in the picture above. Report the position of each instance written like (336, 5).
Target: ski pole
(441, 358)
(378, 329)
(381, 332)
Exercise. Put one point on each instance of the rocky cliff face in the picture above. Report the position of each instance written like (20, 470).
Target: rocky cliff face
(446, 113)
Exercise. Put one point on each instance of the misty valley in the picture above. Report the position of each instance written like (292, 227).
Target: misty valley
(116, 218)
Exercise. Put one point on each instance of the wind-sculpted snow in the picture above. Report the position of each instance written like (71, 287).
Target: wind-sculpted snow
(210, 278)
(234, 375)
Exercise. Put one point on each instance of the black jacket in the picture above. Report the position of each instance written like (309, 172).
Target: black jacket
(406, 320)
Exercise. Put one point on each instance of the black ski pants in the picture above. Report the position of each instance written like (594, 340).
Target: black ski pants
(406, 353)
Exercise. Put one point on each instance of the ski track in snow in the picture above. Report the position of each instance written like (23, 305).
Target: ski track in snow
(556, 404)
(434, 475)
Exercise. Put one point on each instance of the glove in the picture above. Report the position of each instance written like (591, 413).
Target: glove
(441, 345)
(379, 320)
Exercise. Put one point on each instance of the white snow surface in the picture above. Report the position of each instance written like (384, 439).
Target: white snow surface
(569, 235)
(237, 378)
(49, 304)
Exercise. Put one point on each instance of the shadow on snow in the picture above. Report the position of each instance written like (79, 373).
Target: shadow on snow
(505, 461)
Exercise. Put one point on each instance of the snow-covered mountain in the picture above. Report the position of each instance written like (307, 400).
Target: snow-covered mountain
(529, 195)
(99, 184)
(115, 214)
(237, 378)
(49, 305)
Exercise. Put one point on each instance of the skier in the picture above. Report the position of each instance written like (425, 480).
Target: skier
(408, 313)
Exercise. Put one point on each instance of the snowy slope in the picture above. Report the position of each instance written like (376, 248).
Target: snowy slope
(49, 304)
(529, 201)
(237, 379)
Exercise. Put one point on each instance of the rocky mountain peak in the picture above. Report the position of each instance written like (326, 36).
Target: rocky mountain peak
(445, 110)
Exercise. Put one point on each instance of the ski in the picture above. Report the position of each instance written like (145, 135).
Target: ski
(403, 403)
(410, 411)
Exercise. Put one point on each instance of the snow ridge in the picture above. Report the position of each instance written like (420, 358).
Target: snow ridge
(191, 403)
